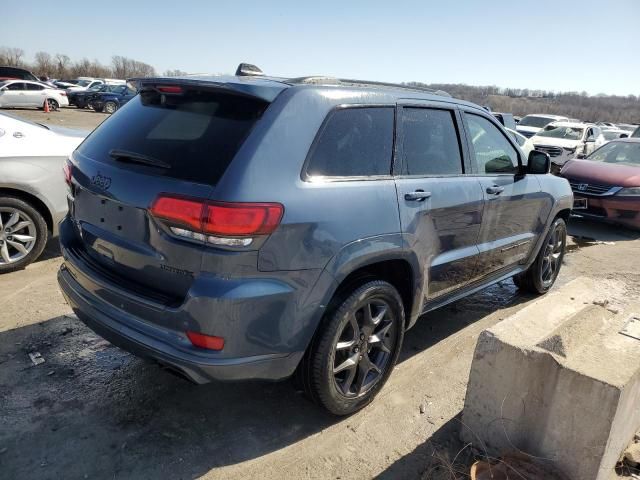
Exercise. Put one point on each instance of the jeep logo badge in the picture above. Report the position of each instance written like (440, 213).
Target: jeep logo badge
(101, 181)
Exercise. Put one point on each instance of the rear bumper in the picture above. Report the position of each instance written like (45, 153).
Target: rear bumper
(621, 211)
(266, 321)
(164, 346)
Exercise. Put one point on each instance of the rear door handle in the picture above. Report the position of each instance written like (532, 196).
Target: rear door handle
(495, 190)
(418, 195)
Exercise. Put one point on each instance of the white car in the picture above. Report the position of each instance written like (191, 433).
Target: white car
(615, 133)
(22, 138)
(565, 140)
(532, 124)
(33, 193)
(525, 143)
(23, 93)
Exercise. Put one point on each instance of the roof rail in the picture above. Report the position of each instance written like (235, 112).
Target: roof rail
(320, 80)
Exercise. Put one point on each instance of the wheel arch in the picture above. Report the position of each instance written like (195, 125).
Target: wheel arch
(383, 258)
(33, 200)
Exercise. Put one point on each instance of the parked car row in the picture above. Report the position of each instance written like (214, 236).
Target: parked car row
(102, 98)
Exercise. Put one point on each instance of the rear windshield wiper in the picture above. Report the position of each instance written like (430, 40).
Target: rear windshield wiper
(133, 157)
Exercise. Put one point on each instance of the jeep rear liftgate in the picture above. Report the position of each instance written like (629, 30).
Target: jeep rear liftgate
(170, 141)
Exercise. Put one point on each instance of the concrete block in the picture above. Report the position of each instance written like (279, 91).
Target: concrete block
(558, 381)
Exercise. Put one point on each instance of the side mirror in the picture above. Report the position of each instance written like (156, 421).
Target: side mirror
(539, 163)
(580, 156)
(624, 135)
(591, 139)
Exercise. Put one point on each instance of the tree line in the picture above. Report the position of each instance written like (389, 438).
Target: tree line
(601, 107)
(590, 108)
(60, 66)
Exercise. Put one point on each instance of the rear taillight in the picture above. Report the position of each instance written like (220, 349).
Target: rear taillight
(217, 223)
(67, 170)
(209, 342)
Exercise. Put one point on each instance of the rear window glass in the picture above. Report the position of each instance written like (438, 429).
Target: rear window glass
(354, 142)
(197, 134)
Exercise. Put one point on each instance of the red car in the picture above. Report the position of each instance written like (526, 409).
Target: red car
(606, 184)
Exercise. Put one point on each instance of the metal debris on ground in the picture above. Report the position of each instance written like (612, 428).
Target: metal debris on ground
(632, 327)
(36, 358)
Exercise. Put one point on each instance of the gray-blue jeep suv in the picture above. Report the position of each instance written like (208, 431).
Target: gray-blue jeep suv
(249, 227)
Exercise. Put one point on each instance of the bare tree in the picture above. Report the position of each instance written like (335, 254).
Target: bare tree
(11, 56)
(124, 67)
(62, 62)
(44, 64)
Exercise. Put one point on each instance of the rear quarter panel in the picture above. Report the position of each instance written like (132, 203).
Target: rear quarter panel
(320, 217)
(41, 177)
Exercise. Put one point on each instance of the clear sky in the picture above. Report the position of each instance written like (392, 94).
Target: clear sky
(539, 44)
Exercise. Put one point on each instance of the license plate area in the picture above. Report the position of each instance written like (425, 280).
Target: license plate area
(110, 215)
(580, 204)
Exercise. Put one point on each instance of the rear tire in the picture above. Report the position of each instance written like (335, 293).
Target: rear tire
(355, 349)
(53, 105)
(20, 222)
(542, 274)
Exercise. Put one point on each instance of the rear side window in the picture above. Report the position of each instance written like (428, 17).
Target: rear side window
(354, 142)
(196, 133)
(491, 150)
(33, 86)
(430, 143)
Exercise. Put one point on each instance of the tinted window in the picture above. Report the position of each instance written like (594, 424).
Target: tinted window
(535, 121)
(354, 142)
(492, 151)
(16, 86)
(197, 133)
(430, 143)
(33, 86)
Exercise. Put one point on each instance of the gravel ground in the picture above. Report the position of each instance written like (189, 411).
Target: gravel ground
(94, 411)
(71, 117)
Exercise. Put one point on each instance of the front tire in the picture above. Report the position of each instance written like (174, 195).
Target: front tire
(110, 107)
(23, 234)
(542, 274)
(355, 349)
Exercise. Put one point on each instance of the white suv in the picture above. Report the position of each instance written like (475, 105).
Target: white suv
(566, 140)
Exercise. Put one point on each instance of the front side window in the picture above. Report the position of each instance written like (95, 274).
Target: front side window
(430, 144)
(492, 151)
(354, 142)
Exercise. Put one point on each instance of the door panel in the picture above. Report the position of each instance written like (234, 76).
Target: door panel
(440, 207)
(442, 229)
(512, 217)
(511, 221)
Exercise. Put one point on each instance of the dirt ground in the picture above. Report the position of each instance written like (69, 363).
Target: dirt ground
(94, 411)
(71, 117)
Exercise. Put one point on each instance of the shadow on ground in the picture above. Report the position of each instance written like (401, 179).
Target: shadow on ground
(92, 409)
